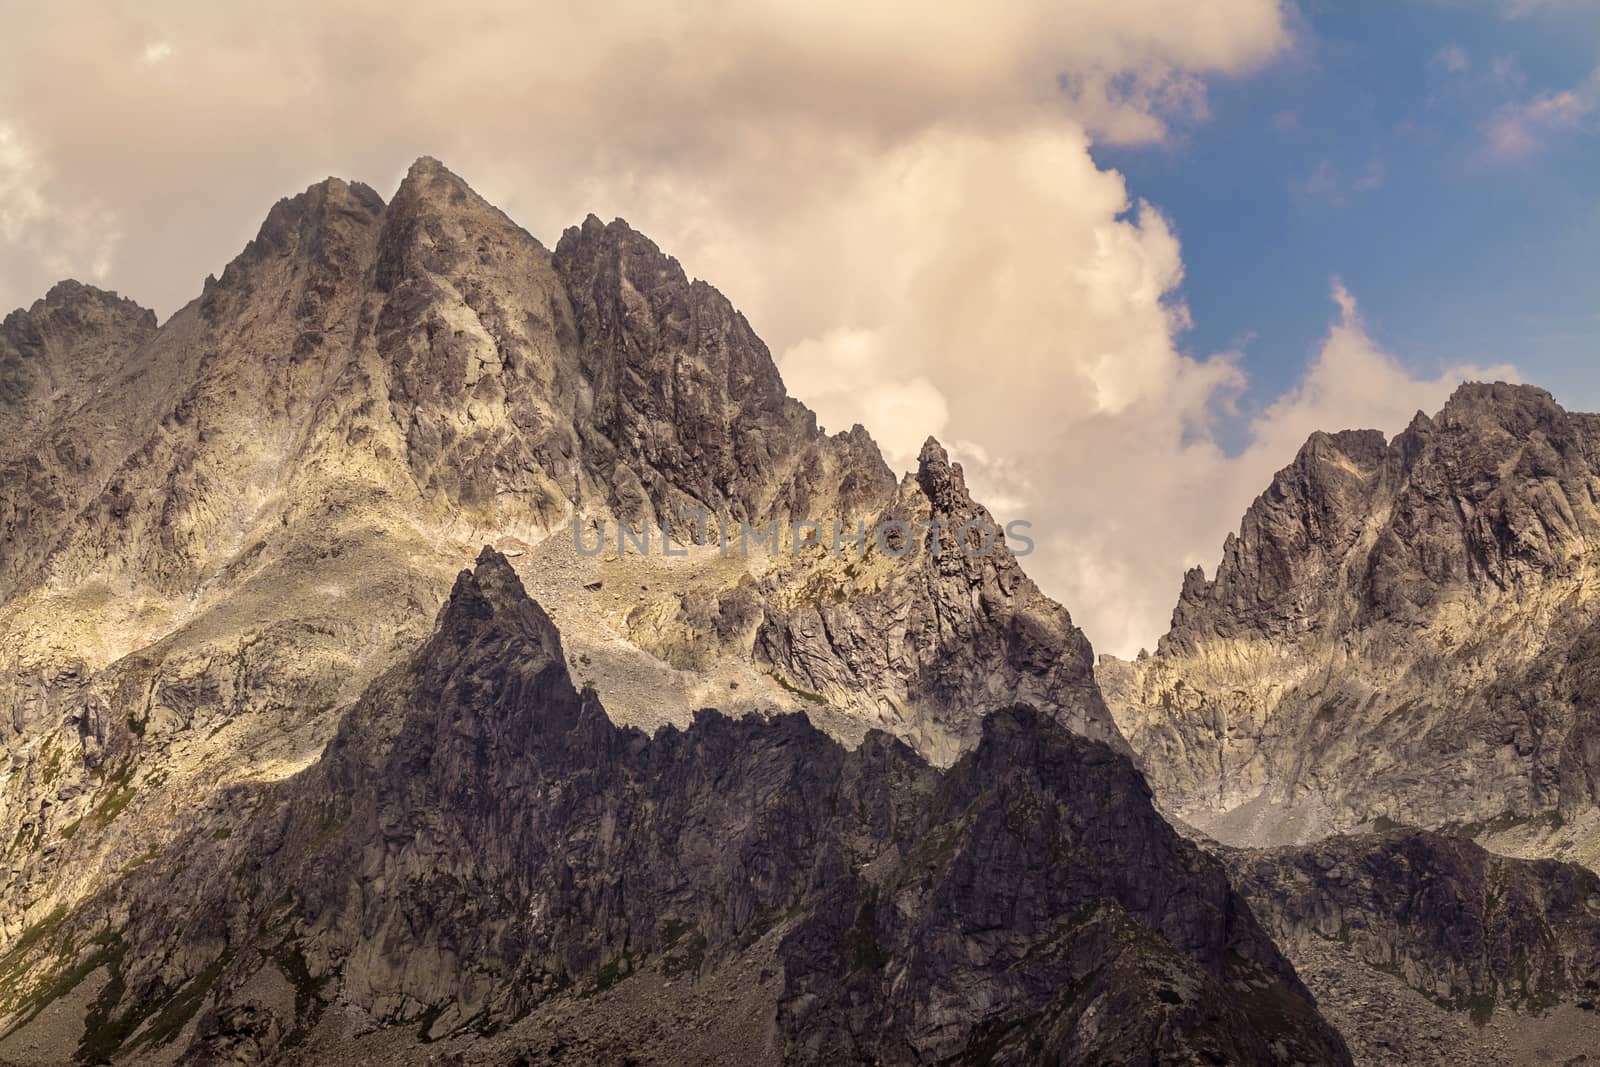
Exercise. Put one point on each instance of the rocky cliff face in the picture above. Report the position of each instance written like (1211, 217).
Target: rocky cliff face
(480, 846)
(1401, 934)
(216, 533)
(1400, 631)
(946, 626)
(57, 358)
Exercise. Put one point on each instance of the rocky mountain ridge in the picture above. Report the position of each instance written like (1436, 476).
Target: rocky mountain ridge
(1401, 632)
(244, 819)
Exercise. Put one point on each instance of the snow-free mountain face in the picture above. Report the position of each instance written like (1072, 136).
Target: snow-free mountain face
(1402, 631)
(1424, 948)
(481, 852)
(217, 532)
(282, 782)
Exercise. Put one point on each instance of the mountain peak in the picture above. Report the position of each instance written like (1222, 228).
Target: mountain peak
(429, 176)
(69, 292)
(493, 574)
(72, 299)
(939, 478)
(1513, 408)
(1496, 393)
(75, 331)
(490, 594)
(617, 244)
(325, 228)
(437, 224)
(426, 165)
(321, 202)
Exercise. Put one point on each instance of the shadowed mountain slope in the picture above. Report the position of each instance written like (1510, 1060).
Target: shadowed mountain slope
(480, 845)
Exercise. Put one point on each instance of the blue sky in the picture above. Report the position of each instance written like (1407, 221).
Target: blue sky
(1368, 154)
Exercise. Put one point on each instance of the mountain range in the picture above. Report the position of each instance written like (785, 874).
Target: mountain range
(329, 736)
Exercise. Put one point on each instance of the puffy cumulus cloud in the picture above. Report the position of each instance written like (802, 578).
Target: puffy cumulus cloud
(901, 197)
(183, 117)
(1013, 266)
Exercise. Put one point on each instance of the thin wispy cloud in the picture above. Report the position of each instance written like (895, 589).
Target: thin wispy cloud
(1523, 128)
(1452, 58)
(1331, 185)
(41, 230)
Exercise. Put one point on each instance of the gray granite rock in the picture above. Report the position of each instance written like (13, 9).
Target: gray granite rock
(1401, 631)
(479, 839)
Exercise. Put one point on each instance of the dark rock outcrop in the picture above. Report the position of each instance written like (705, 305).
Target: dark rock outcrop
(1504, 941)
(1459, 924)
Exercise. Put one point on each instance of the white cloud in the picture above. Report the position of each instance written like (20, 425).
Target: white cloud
(744, 109)
(848, 378)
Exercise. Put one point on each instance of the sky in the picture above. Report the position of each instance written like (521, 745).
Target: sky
(1122, 258)
(1370, 153)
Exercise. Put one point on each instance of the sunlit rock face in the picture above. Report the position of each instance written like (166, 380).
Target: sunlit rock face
(1403, 631)
(281, 782)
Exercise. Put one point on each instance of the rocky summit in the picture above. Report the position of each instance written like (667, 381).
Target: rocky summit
(1401, 633)
(734, 746)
